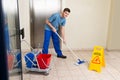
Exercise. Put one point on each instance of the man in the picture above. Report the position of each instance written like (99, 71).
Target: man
(53, 24)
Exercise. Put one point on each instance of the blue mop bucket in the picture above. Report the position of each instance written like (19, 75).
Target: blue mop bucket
(29, 59)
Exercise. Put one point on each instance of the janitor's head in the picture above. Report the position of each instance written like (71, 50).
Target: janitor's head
(66, 12)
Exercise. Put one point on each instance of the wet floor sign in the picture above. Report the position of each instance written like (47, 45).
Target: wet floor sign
(97, 60)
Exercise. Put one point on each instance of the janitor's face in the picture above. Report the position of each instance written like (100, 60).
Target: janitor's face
(65, 14)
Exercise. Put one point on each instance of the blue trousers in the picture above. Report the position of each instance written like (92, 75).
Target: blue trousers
(55, 40)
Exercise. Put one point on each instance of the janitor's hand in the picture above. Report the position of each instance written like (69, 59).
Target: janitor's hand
(53, 29)
(64, 41)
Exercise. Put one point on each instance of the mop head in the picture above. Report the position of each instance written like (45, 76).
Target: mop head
(79, 62)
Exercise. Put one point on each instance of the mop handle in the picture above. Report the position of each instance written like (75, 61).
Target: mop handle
(66, 45)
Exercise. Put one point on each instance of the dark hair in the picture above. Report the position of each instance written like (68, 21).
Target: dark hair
(66, 9)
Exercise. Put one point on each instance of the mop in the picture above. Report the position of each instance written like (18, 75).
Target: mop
(78, 60)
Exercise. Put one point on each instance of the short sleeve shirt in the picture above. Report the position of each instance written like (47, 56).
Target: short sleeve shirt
(56, 20)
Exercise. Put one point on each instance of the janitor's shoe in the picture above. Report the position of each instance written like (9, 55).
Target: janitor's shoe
(64, 57)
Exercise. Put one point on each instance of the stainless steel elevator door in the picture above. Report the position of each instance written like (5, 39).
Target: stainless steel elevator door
(12, 39)
(40, 10)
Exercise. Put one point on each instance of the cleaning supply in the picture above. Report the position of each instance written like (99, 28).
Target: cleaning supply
(78, 60)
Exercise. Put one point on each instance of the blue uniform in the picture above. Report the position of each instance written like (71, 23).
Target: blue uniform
(57, 21)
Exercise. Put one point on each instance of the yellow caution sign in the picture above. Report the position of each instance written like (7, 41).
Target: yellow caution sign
(97, 59)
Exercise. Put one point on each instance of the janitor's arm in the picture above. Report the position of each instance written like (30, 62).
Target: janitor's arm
(50, 25)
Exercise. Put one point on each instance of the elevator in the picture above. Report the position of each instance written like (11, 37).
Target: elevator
(12, 38)
(40, 10)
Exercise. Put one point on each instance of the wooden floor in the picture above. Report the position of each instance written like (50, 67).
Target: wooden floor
(65, 69)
